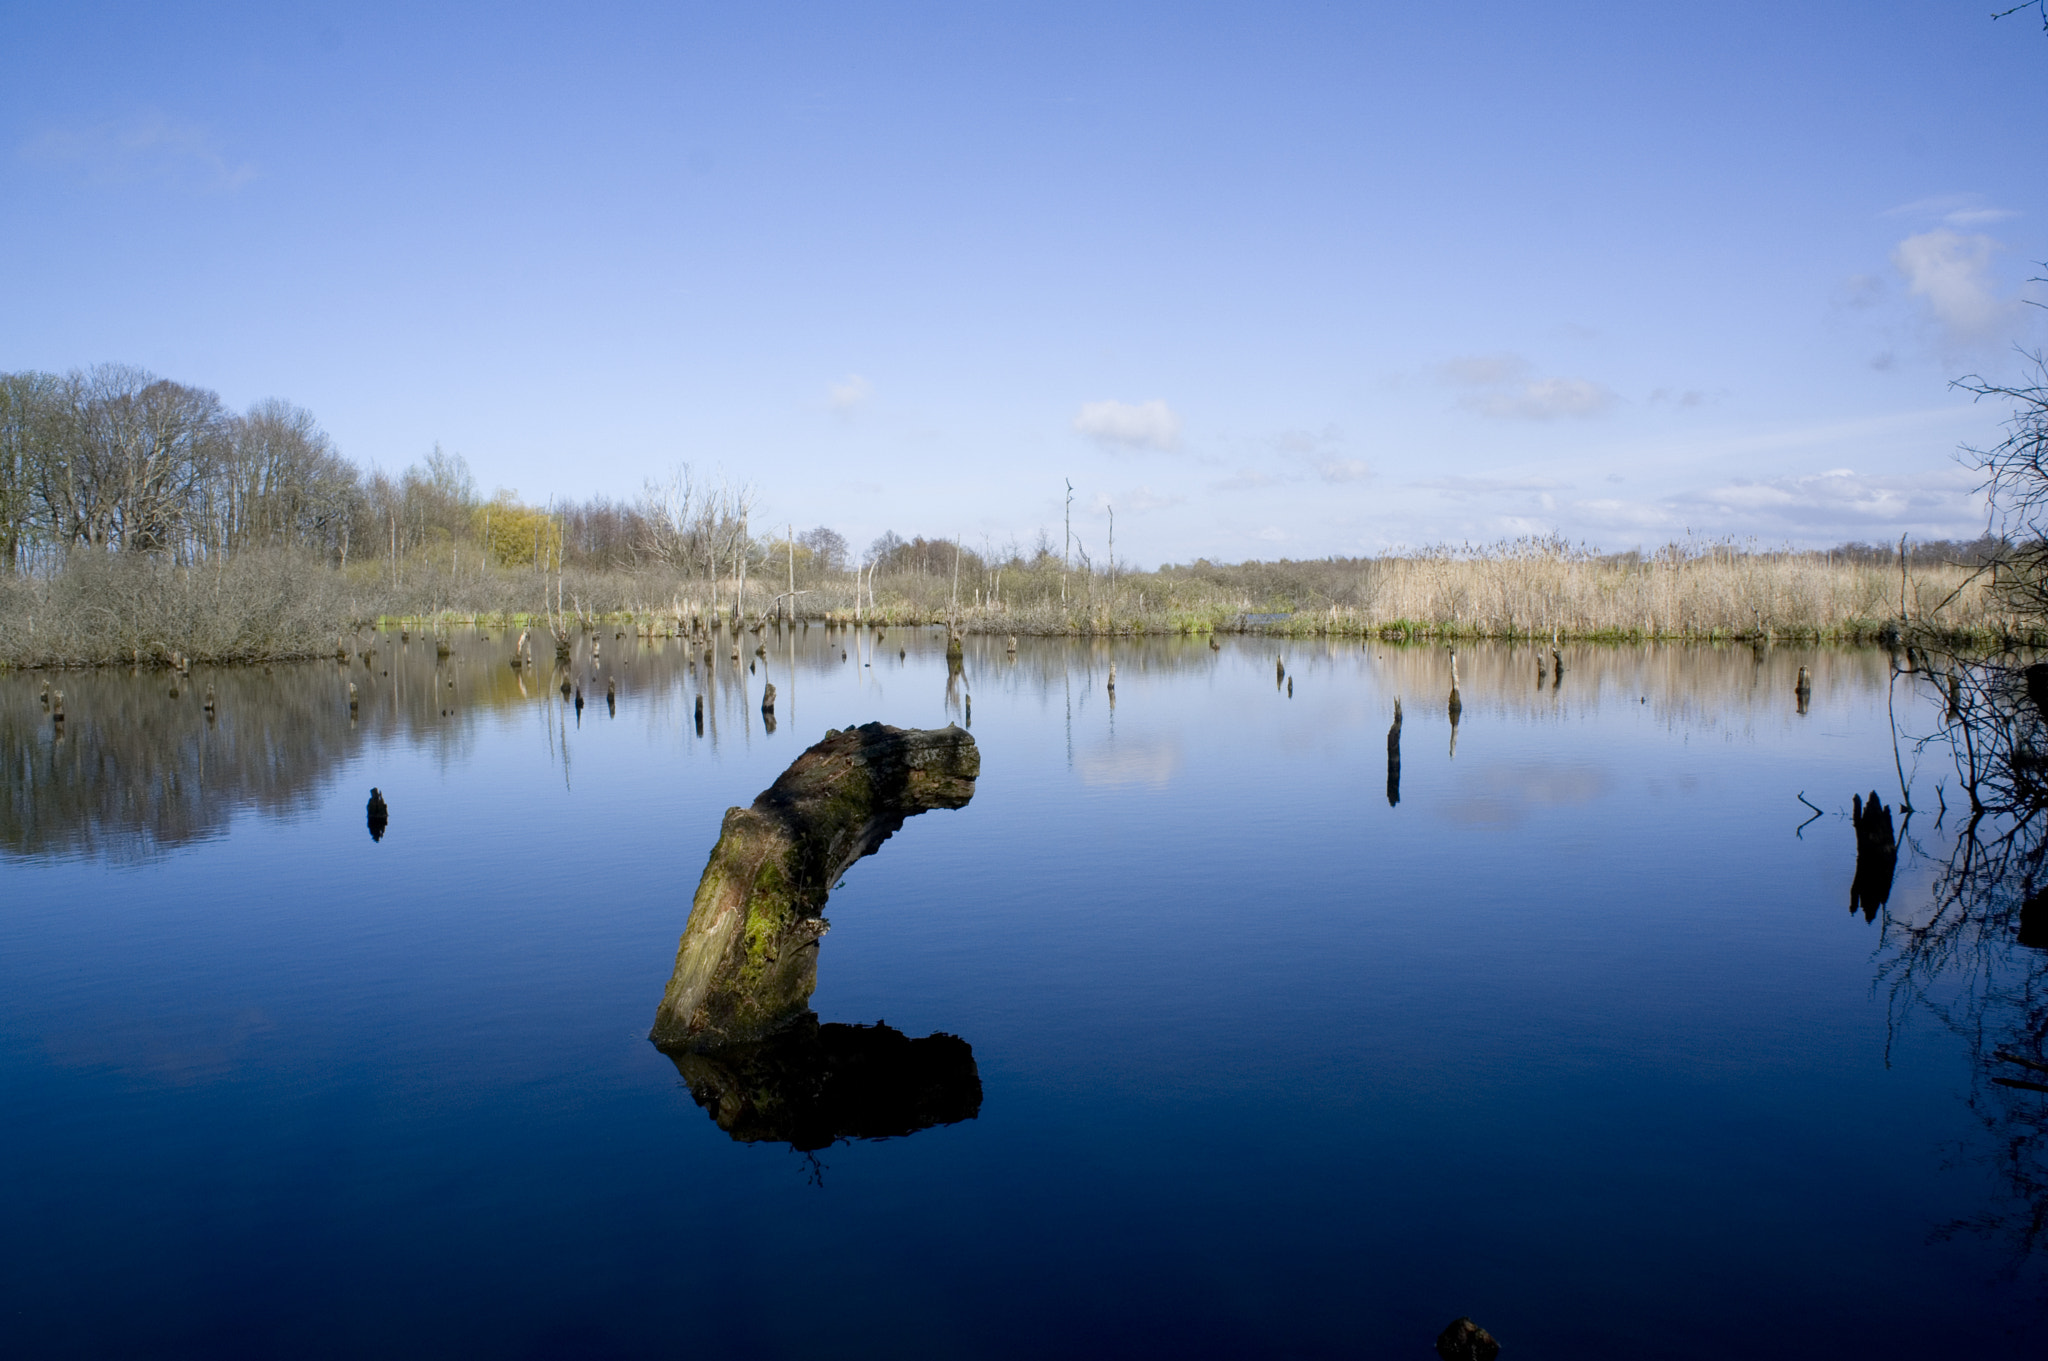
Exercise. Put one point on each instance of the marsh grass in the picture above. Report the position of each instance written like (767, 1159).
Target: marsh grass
(100, 609)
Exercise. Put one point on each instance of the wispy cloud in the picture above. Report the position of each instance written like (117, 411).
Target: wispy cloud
(849, 392)
(1686, 397)
(1247, 479)
(150, 146)
(1138, 500)
(1482, 370)
(1950, 274)
(1344, 470)
(1546, 399)
(1834, 506)
(1953, 210)
(1459, 488)
(1508, 391)
(1130, 425)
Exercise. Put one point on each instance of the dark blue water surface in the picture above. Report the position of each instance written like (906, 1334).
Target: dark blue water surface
(1579, 1038)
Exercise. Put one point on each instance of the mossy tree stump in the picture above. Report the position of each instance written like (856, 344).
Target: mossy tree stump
(748, 960)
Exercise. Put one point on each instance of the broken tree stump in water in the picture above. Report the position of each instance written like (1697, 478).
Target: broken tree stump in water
(748, 959)
(1802, 689)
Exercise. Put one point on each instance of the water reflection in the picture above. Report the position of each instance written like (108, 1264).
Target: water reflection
(1877, 856)
(137, 769)
(810, 1085)
(1971, 954)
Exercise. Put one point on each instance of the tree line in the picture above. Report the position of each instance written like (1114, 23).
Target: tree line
(117, 459)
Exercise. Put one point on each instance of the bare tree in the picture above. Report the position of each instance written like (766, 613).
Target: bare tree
(669, 509)
(829, 551)
(2015, 472)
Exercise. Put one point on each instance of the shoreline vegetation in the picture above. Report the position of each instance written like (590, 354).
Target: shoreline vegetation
(100, 609)
(142, 523)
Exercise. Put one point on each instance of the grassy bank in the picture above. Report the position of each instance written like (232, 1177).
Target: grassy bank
(101, 609)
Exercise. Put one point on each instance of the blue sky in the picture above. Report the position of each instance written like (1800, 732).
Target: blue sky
(1269, 279)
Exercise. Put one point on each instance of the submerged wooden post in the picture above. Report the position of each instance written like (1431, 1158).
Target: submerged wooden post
(1457, 705)
(1802, 689)
(768, 698)
(351, 696)
(57, 708)
(700, 715)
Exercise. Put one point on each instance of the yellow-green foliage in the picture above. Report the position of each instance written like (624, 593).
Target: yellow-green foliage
(514, 535)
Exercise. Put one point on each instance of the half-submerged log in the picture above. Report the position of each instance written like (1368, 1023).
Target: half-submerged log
(1877, 855)
(748, 960)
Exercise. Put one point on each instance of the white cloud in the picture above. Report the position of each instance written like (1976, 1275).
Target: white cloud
(849, 392)
(1837, 505)
(1954, 210)
(149, 146)
(1951, 274)
(1545, 399)
(1344, 470)
(1134, 425)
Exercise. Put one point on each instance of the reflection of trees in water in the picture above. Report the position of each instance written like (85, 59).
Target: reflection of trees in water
(1971, 955)
(135, 771)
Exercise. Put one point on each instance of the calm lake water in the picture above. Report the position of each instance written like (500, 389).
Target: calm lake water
(1581, 1037)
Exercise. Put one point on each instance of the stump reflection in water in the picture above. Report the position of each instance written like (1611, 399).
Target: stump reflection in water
(810, 1085)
